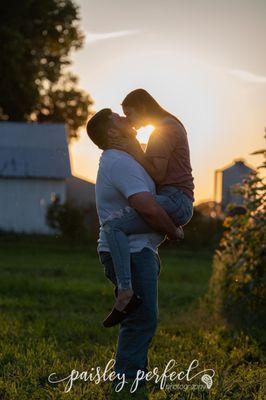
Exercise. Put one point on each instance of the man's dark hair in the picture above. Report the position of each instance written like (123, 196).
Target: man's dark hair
(98, 126)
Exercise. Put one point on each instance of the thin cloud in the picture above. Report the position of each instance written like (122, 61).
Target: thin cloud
(95, 37)
(247, 76)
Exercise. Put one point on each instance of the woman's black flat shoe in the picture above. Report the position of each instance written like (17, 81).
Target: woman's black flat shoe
(116, 316)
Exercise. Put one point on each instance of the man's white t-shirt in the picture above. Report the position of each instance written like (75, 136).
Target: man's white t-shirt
(119, 177)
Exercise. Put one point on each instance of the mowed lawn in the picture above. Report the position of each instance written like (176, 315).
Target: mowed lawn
(54, 297)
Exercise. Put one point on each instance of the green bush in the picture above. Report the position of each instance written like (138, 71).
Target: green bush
(237, 286)
(66, 220)
(203, 231)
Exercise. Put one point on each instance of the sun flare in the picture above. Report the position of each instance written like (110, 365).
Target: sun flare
(144, 133)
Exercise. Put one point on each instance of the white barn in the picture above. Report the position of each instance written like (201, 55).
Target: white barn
(34, 165)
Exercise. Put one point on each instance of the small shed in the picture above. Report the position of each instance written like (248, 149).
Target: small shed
(229, 177)
(80, 192)
(34, 165)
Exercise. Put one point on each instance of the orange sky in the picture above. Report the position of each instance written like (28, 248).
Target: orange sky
(204, 62)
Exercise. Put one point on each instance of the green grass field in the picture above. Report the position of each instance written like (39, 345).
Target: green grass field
(53, 298)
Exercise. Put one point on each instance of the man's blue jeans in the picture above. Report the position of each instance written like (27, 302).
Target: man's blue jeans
(177, 205)
(137, 330)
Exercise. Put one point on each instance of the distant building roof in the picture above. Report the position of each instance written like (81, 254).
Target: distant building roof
(80, 192)
(238, 164)
(31, 150)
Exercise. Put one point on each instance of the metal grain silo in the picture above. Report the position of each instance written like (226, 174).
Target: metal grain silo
(228, 177)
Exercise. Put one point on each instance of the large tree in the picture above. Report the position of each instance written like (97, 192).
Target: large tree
(37, 37)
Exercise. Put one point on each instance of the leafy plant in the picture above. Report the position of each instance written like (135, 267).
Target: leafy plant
(238, 281)
(67, 220)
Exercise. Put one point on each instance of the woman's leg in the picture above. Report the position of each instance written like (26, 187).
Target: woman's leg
(179, 206)
(117, 230)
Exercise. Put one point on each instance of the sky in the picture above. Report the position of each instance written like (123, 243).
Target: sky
(202, 60)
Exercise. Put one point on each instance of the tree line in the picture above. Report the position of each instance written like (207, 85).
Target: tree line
(37, 38)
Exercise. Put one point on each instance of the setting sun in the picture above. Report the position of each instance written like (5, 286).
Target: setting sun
(144, 133)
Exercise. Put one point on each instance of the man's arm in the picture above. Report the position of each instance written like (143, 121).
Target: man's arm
(127, 176)
(145, 204)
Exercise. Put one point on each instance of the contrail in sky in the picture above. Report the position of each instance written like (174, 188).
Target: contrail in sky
(94, 37)
(248, 76)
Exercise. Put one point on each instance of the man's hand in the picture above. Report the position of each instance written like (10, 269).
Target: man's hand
(179, 234)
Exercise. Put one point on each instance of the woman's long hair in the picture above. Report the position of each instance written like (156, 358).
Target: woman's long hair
(140, 100)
